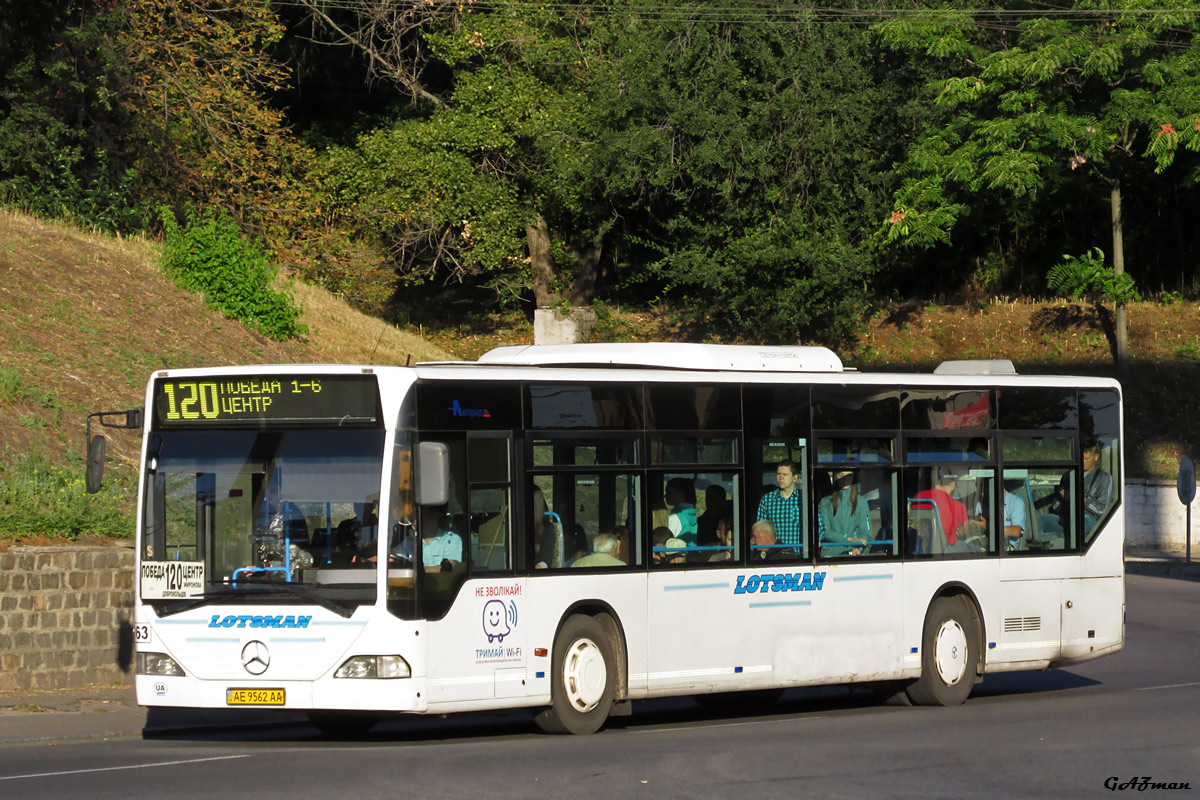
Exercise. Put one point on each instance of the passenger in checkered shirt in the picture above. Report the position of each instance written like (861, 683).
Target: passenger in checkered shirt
(784, 507)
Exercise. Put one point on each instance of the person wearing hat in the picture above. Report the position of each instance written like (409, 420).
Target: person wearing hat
(675, 551)
(845, 517)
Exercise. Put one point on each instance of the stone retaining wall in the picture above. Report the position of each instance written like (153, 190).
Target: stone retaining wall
(60, 608)
(1154, 517)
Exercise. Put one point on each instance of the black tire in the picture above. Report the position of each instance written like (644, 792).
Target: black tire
(583, 681)
(343, 724)
(738, 702)
(949, 654)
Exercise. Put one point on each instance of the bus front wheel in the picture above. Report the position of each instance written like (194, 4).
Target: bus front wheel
(950, 654)
(583, 680)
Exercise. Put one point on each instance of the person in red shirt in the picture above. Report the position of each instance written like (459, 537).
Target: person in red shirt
(953, 512)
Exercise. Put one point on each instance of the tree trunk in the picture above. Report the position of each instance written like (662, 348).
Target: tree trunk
(1118, 248)
(587, 264)
(537, 238)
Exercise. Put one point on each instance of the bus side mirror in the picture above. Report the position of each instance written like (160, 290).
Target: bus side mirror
(129, 420)
(433, 474)
(95, 463)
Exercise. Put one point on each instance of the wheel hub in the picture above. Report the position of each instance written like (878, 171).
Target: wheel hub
(584, 675)
(950, 652)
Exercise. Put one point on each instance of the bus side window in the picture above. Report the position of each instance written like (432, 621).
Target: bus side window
(856, 516)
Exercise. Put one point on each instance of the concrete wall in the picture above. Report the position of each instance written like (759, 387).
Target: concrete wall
(60, 608)
(1155, 519)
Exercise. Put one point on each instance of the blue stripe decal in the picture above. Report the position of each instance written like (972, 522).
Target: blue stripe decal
(782, 603)
(685, 587)
(864, 578)
(211, 639)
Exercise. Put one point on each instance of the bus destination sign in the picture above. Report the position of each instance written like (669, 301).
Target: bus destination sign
(266, 401)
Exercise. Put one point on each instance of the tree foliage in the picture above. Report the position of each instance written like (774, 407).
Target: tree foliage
(648, 146)
(1024, 97)
(1087, 277)
(212, 256)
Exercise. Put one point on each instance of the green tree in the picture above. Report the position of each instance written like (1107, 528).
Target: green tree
(62, 151)
(736, 164)
(750, 158)
(1111, 89)
(475, 184)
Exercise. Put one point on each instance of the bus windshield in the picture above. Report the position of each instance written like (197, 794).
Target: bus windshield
(272, 516)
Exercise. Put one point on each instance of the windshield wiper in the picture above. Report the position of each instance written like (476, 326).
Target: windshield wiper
(304, 592)
(227, 593)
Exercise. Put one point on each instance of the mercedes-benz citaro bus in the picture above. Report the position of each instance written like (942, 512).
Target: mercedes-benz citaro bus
(570, 528)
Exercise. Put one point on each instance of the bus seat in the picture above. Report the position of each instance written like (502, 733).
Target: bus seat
(297, 525)
(923, 516)
(558, 559)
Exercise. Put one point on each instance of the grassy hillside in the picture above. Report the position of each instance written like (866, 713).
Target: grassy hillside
(85, 319)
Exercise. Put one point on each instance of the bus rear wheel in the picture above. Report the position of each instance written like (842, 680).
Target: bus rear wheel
(949, 654)
(583, 680)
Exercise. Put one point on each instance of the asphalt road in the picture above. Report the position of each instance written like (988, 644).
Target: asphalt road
(1066, 733)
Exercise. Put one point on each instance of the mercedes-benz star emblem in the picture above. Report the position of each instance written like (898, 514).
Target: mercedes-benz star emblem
(255, 657)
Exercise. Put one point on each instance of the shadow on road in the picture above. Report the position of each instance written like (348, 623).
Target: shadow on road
(1166, 568)
(680, 711)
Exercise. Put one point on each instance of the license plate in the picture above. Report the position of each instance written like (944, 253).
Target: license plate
(254, 697)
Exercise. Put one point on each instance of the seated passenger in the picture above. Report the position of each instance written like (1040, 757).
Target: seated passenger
(763, 545)
(845, 517)
(346, 550)
(605, 555)
(676, 551)
(724, 534)
(1014, 521)
(659, 538)
(441, 547)
(1097, 487)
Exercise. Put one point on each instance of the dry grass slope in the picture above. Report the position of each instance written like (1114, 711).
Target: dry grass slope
(85, 318)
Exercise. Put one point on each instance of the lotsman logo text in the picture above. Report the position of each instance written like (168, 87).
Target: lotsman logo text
(784, 582)
(248, 621)
(459, 411)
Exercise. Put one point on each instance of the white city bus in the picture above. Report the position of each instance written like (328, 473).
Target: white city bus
(569, 528)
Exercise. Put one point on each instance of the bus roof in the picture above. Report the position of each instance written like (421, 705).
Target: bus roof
(670, 355)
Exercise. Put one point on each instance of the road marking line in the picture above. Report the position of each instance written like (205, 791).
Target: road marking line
(720, 725)
(1169, 686)
(111, 769)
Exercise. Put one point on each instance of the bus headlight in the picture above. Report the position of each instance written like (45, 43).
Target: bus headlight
(157, 664)
(374, 667)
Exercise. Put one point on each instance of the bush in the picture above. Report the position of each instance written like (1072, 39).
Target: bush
(210, 255)
(39, 499)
